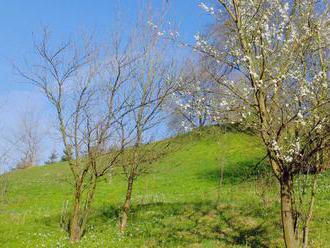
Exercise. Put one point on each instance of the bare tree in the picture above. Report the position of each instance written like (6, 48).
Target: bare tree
(4, 182)
(152, 83)
(83, 84)
(27, 140)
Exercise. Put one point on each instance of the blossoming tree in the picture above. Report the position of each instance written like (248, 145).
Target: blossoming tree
(277, 59)
(194, 102)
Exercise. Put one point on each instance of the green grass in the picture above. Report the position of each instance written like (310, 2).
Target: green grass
(178, 204)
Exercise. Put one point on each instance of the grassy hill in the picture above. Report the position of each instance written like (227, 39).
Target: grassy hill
(178, 204)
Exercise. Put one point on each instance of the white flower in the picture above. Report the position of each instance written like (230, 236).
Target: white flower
(319, 127)
(223, 103)
(275, 146)
(152, 25)
(207, 9)
(288, 159)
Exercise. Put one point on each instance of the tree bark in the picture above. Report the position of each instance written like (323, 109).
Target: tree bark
(75, 221)
(309, 214)
(81, 209)
(127, 204)
(305, 236)
(87, 207)
(287, 212)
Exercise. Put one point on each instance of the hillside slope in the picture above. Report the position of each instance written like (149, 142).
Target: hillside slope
(178, 204)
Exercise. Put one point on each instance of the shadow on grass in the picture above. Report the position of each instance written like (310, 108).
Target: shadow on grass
(171, 224)
(184, 224)
(108, 212)
(237, 172)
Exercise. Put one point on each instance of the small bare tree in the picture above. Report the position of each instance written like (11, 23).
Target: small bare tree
(150, 86)
(4, 182)
(28, 141)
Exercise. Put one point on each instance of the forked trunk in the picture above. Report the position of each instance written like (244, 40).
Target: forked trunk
(127, 204)
(81, 211)
(287, 212)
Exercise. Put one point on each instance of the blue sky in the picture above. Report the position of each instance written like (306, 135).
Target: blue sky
(19, 20)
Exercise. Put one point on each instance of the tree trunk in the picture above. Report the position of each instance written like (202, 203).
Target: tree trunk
(81, 211)
(87, 207)
(305, 236)
(75, 219)
(287, 212)
(309, 214)
(127, 204)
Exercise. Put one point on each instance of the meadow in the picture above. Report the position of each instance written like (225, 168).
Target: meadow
(212, 190)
